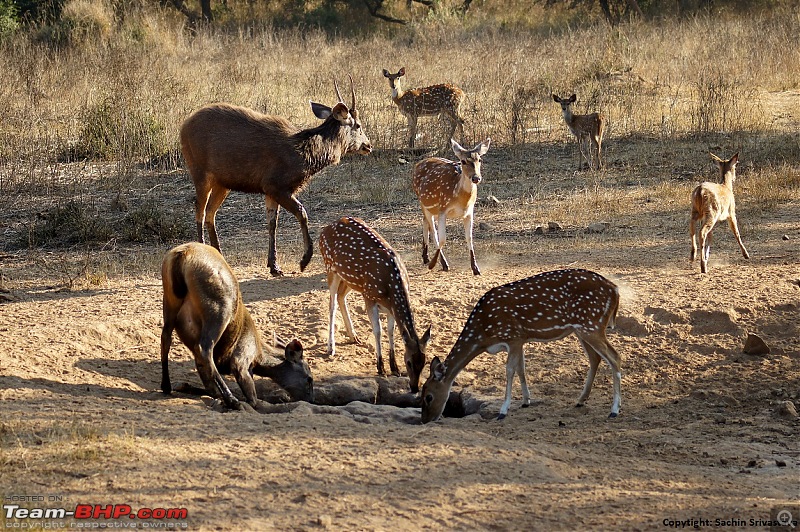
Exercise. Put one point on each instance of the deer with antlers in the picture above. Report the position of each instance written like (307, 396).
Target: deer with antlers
(203, 303)
(448, 189)
(543, 308)
(443, 99)
(227, 147)
(588, 130)
(358, 259)
(711, 203)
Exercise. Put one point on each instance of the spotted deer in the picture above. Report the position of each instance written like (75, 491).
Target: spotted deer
(227, 147)
(588, 129)
(448, 189)
(543, 308)
(711, 203)
(443, 99)
(358, 259)
(203, 303)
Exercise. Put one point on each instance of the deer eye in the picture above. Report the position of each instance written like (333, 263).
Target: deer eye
(428, 399)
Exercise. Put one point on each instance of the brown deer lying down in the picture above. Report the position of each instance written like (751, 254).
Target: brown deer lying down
(203, 303)
(233, 148)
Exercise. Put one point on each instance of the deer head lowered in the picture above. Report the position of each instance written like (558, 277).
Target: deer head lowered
(358, 259)
(203, 303)
(545, 307)
(227, 147)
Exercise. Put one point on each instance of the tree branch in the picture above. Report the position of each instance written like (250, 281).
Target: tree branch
(374, 9)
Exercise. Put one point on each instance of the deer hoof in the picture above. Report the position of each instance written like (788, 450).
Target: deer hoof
(501, 417)
(612, 415)
(275, 271)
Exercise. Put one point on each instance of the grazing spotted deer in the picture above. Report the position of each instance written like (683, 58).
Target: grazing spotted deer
(358, 258)
(203, 303)
(232, 148)
(545, 307)
(711, 203)
(448, 189)
(588, 129)
(444, 99)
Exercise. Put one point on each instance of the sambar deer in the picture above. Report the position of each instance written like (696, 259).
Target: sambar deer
(711, 203)
(542, 308)
(443, 99)
(588, 129)
(227, 147)
(203, 303)
(448, 189)
(358, 259)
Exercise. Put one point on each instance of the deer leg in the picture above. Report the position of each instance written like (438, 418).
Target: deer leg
(426, 235)
(732, 222)
(333, 286)
(341, 296)
(166, 343)
(604, 349)
(245, 381)
(440, 236)
(523, 382)
(595, 152)
(468, 236)
(412, 131)
(375, 319)
(201, 200)
(598, 143)
(295, 207)
(390, 333)
(705, 245)
(218, 195)
(273, 210)
(594, 362)
(212, 380)
(512, 363)
(693, 233)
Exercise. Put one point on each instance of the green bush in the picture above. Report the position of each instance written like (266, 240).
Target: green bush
(9, 19)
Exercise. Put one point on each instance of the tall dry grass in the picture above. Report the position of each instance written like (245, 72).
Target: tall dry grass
(114, 86)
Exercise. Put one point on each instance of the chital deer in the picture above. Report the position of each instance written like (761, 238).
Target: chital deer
(588, 129)
(358, 258)
(232, 148)
(444, 99)
(541, 308)
(448, 189)
(203, 303)
(711, 203)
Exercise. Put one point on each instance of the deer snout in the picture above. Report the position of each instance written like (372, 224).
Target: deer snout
(365, 149)
(476, 178)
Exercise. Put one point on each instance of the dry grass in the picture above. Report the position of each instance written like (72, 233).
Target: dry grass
(117, 89)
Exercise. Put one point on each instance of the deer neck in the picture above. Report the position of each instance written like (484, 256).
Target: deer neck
(569, 118)
(321, 146)
(728, 179)
(397, 91)
(462, 354)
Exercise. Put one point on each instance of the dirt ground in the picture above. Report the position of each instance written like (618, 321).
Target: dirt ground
(705, 431)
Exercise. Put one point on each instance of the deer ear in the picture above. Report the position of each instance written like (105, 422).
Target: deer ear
(437, 369)
(426, 337)
(402, 72)
(483, 147)
(386, 73)
(735, 158)
(294, 351)
(572, 98)
(556, 98)
(321, 111)
(458, 150)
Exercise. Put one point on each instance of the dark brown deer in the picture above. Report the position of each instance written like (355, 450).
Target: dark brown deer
(358, 258)
(443, 99)
(233, 148)
(448, 189)
(711, 203)
(543, 308)
(203, 303)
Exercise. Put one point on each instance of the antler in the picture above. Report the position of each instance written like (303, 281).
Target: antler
(353, 92)
(338, 94)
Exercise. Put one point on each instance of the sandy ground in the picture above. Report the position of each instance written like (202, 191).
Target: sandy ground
(703, 433)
